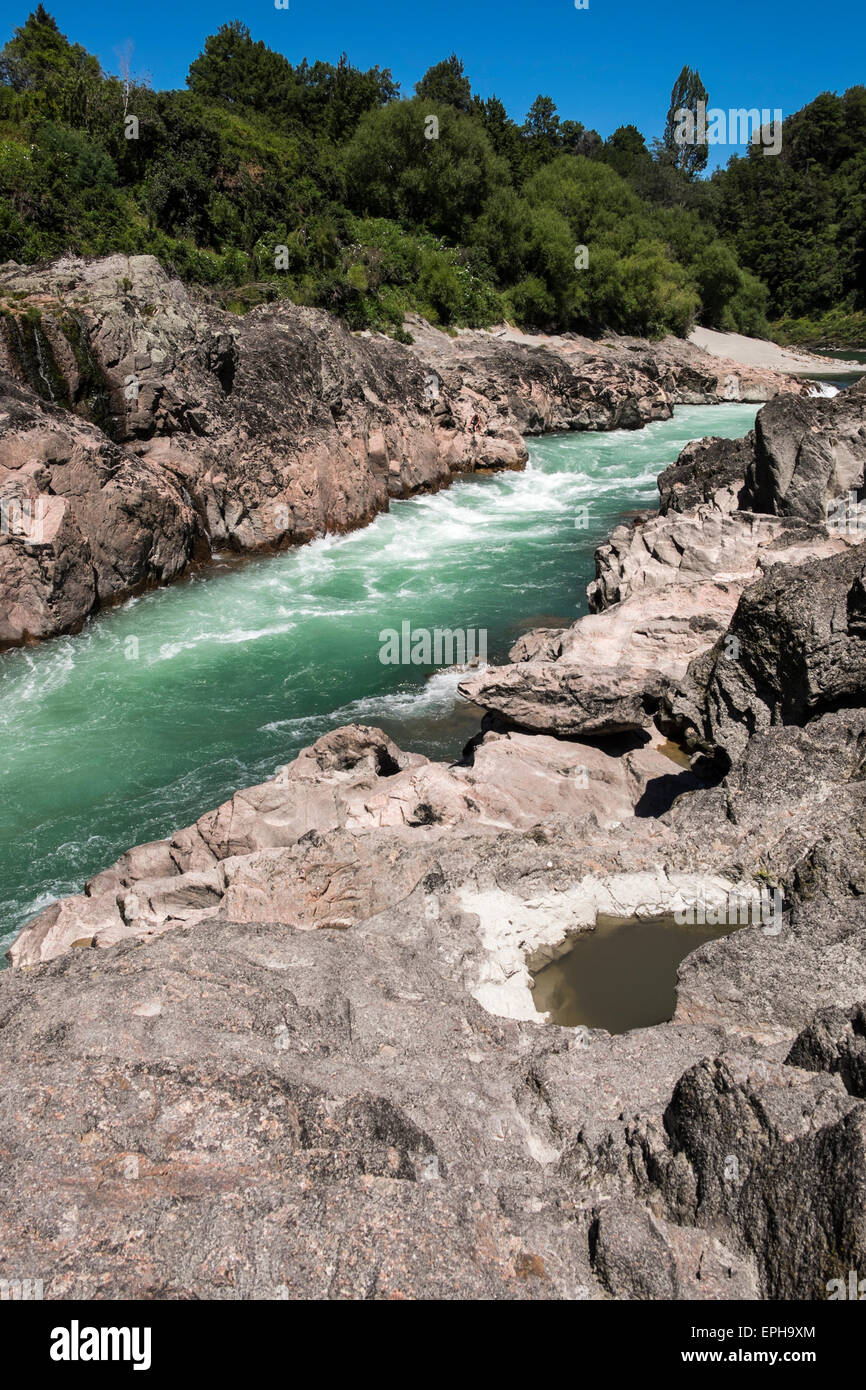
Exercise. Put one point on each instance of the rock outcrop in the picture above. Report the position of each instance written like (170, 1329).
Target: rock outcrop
(141, 429)
(308, 1017)
(83, 521)
(746, 1143)
(795, 649)
(357, 822)
(338, 1118)
(807, 454)
(668, 587)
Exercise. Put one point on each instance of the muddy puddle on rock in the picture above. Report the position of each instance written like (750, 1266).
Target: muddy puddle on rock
(676, 753)
(621, 975)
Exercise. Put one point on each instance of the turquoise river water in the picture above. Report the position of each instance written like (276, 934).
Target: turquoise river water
(109, 742)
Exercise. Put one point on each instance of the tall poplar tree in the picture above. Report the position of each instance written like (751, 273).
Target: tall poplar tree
(687, 91)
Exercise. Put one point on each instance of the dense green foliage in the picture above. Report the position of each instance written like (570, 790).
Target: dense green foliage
(318, 182)
(798, 220)
(838, 328)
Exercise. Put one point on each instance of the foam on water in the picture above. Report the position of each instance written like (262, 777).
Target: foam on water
(438, 693)
(239, 667)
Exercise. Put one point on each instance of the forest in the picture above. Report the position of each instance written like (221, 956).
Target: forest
(325, 184)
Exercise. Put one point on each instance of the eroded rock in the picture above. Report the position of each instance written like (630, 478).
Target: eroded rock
(171, 428)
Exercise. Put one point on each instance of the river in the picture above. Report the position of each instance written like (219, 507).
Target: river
(162, 708)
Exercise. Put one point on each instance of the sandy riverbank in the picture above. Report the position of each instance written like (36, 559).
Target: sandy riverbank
(758, 352)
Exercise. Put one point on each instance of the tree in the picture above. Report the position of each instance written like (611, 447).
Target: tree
(589, 144)
(446, 83)
(570, 135)
(351, 92)
(540, 134)
(626, 152)
(323, 98)
(689, 157)
(503, 133)
(234, 70)
(542, 122)
(393, 170)
(38, 56)
(502, 232)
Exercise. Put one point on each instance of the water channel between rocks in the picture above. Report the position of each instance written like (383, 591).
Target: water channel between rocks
(162, 708)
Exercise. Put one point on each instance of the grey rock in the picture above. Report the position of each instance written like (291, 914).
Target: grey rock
(554, 697)
(751, 1143)
(637, 1255)
(707, 470)
(803, 453)
(795, 648)
(808, 452)
(835, 1041)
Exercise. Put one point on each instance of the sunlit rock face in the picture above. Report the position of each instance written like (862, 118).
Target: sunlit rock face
(170, 428)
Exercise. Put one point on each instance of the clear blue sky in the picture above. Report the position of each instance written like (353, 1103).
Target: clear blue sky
(609, 65)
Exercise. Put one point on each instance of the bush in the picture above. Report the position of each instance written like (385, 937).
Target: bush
(531, 304)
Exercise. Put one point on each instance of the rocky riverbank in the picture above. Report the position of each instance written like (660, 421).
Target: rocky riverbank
(142, 430)
(292, 1050)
